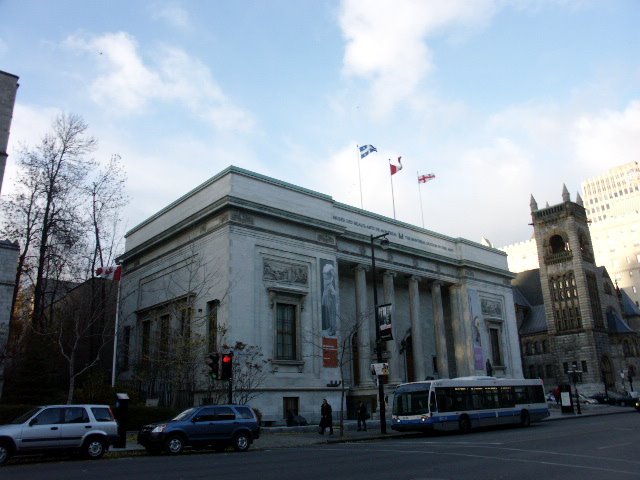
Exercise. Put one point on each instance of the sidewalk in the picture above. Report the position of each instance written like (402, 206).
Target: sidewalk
(286, 437)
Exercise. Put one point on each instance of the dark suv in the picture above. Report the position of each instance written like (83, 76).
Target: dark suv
(216, 426)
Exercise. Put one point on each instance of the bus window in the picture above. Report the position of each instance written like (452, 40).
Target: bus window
(432, 402)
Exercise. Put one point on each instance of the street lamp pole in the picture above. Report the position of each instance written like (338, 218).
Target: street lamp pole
(383, 419)
(574, 376)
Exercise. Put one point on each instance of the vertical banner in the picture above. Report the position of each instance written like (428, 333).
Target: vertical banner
(476, 315)
(384, 317)
(329, 303)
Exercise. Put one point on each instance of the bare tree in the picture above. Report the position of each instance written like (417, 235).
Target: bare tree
(65, 217)
(349, 327)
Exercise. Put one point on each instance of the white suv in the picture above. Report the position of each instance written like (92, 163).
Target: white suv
(89, 429)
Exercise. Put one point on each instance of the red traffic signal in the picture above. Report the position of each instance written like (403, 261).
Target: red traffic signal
(226, 369)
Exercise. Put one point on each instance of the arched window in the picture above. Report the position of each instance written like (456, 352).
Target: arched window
(557, 244)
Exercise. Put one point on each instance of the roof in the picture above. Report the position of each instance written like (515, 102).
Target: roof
(616, 324)
(535, 321)
(528, 284)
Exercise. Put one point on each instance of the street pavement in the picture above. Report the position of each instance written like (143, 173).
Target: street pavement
(286, 437)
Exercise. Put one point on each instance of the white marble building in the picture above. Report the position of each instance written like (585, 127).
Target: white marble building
(289, 270)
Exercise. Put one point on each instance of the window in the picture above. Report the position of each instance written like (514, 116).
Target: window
(146, 334)
(286, 341)
(163, 345)
(548, 371)
(212, 325)
(290, 404)
(75, 415)
(225, 413)
(102, 414)
(584, 366)
(126, 344)
(496, 352)
(564, 294)
(50, 416)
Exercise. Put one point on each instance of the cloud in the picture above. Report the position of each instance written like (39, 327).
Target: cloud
(126, 84)
(173, 14)
(607, 137)
(386, 41)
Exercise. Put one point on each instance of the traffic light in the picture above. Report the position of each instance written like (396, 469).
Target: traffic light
(213, 360)
(226, 369)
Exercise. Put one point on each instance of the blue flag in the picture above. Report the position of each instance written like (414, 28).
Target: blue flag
(366, 150)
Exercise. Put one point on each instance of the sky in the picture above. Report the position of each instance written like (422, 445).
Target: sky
(499, 99)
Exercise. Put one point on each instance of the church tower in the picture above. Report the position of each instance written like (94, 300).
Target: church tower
(572, 289)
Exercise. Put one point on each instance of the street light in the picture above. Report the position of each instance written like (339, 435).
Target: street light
(384, 242)
(574, 372)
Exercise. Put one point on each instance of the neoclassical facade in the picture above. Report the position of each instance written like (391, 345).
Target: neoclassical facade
(247, 258)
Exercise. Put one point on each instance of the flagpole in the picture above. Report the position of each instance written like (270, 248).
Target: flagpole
(393, 199)
(359, 175)
(420, 197)
(115, 337)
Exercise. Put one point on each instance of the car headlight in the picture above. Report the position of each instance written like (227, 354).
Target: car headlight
(159, 429)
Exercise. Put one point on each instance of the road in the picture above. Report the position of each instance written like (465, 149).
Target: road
(603, 447)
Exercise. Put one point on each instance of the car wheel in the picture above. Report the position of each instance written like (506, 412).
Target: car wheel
(5, 452)
(241, 442)
(525, 419)
(94, 448)
(174, 445)
(464, 425)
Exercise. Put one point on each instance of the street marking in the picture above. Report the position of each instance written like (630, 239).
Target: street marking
(614, 446)
(634, 473)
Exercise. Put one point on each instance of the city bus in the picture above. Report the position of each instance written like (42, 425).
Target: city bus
(465, 403)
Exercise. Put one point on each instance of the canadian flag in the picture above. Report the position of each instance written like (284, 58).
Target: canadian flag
(395, 168)
(111, 272)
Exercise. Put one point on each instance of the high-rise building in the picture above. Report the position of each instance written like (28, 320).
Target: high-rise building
(612, 202)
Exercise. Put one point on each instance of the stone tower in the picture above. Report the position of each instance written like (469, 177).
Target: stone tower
(572, 289)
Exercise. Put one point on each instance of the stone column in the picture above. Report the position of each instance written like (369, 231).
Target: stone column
(417, 342)
(365, 320)
(440, 333)
(396, 365)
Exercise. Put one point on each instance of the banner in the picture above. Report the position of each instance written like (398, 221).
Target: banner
(384, 319)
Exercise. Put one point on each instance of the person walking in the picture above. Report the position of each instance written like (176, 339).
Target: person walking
(361, 415)
(326, 419)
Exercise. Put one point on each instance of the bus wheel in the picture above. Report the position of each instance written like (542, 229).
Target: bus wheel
(464, 424)
(525, 420)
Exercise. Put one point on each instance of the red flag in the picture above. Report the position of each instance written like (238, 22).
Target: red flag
(395, 168)
(426, 178)
(111, 272)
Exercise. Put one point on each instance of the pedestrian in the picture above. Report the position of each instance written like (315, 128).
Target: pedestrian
(326, 419)
(361, 415)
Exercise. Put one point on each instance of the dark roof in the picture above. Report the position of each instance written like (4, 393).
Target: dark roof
(629, 307)
(535, 321)
(528, 284)
(616, 324)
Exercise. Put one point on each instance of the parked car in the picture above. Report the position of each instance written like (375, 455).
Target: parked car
(614, 398)
(217, 426)
(88, 429)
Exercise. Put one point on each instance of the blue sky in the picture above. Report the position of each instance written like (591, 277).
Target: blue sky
(500, 99)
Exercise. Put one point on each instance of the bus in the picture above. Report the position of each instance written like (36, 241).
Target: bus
(465, 403)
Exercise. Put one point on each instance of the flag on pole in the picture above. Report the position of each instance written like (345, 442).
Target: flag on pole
(366, 150)
(426, 178)
(111, 272)
(395, 168)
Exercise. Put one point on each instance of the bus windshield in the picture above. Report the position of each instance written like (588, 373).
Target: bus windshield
(411, 399)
